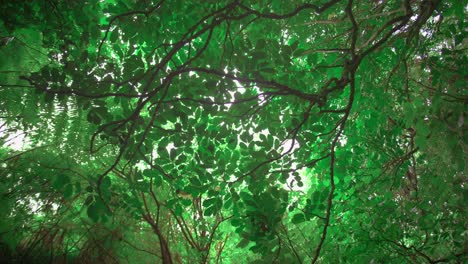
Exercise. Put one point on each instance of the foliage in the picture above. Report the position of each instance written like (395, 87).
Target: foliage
(233, 131)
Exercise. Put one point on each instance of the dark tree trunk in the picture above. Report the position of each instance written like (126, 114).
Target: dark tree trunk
(165, 251)
(163, 245)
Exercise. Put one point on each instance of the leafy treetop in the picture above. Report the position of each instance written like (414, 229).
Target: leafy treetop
(233, 131)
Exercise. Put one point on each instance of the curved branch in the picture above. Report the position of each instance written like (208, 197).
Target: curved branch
(130, 13)
(315, 8)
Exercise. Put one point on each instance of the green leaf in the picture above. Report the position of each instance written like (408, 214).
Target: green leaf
(261, 43)
(61, 181)
(246, 196)
(243, 243)
(221, 84)
(298, 218)
(93, 212)
(68, 192)
(209, 202)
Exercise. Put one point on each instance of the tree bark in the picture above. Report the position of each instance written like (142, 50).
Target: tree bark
(165, 251)
(163, 245)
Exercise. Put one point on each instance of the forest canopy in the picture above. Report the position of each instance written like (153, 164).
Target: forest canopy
(243, 131)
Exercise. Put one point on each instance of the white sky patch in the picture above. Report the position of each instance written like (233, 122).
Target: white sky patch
(343, 140)
(291, 183)
(262, 98)
(287, 144)
(256, 136)
(155, 154)
(35, 204)
(232, 178)
(285, 35)
(305, 180)
(169, 147)
(16, 141)
(240, 87)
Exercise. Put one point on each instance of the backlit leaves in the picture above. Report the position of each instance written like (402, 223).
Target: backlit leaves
(253, 132)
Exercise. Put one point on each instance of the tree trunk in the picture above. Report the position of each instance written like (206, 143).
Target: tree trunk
(163, 245)
(165, 251)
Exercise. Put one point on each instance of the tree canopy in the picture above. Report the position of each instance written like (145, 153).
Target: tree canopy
(243, 131)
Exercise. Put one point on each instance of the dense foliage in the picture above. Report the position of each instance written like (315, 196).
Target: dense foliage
(239, 131)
